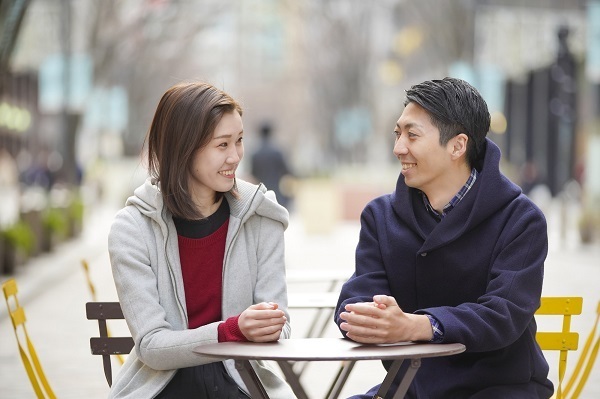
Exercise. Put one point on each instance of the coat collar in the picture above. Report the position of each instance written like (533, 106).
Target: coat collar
(490, 193)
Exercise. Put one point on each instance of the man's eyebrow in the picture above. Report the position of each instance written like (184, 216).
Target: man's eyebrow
(409, 125)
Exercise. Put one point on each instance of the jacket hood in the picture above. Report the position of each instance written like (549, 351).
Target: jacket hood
(256, 199)
(495, 190)
(491, 192)
(253, 199)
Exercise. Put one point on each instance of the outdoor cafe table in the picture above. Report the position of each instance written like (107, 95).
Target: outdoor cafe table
(327, 349)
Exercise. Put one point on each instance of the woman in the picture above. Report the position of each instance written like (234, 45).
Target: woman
(197, 255)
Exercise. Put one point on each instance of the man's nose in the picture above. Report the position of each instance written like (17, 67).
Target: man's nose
(400, 147)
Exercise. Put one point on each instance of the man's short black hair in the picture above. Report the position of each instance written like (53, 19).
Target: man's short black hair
(454, 107)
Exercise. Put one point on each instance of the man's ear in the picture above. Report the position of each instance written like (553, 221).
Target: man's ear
(459, 145)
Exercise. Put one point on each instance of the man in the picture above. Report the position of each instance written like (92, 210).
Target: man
(454, 254)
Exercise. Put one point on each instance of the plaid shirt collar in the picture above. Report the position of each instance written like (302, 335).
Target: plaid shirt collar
(455, 200)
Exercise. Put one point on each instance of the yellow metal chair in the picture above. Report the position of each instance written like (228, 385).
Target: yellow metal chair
(565, 340)
(91, 286)
(86, 271)
(28, 354)
(586, 360)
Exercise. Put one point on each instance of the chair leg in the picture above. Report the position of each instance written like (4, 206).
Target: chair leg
(340, 379)
(583, 358)
(588, 369)
(38, 368)
(31, 374)
(29, 357)
(107, 369)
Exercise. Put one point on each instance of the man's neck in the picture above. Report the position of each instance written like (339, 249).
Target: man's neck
(441, 193)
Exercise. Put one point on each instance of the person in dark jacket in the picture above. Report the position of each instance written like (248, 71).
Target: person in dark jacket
(455, 254)
(268, 165)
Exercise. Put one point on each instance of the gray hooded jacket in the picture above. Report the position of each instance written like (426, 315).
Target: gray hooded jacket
(144, 255)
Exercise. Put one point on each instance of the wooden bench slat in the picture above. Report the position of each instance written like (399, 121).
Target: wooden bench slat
(106, 345)
(111, 345)
(103, 310)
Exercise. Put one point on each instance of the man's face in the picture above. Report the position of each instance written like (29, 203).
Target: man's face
(425, 162)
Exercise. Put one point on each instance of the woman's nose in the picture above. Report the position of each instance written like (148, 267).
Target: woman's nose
(234, 156)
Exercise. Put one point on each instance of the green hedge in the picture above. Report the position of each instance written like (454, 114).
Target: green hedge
(20, 236)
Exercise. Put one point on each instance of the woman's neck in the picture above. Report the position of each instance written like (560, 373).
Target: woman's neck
(206, 207)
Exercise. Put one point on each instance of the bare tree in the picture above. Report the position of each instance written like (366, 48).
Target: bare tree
(343, 59)
(339, 36)
(11, 17)
(144, 48)
(448, 28)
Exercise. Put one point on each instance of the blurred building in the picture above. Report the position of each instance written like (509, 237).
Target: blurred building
(330, 73)
(540, 51)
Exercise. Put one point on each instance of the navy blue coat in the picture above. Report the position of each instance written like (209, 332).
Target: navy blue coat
(479, 271)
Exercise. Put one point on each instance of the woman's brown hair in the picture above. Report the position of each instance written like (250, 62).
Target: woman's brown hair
(184, 121)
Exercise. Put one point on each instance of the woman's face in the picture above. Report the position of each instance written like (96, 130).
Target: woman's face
(214, 165)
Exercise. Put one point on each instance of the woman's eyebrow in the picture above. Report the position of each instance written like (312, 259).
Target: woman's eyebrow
(226, 135)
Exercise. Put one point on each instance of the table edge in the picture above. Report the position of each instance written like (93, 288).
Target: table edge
(449, 349)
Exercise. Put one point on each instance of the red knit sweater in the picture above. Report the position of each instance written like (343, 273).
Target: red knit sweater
(202, 268)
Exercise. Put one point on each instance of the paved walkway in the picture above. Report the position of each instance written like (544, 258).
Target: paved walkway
(53, 291)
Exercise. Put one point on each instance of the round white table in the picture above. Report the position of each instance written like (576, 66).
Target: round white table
(327, 349)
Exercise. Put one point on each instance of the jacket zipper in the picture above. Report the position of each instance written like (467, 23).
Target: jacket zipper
(234, 238)
(242, 215)
(173, 283)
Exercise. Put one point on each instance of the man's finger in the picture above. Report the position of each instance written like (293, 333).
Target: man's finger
(359, 319)
(365, 339)
(363, 308)
(385, 300)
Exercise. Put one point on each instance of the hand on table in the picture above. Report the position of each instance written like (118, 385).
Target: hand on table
(262, 322)
(383, 322)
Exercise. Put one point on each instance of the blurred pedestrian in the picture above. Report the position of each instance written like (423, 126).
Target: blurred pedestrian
(269, 165)
(38, 172)
(197, 255)
(529, 177)
(455, 254)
